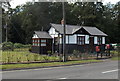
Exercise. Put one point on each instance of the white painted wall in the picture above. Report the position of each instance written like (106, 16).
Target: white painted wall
(67, 41)
(35, 36)
(80, 35)
(52, 32)
(103, 40)
(95, 40)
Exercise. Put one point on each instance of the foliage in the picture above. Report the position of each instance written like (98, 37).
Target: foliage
(49, 53)
(7, 46)
(18, 45)
(25, 19)
(76, 53)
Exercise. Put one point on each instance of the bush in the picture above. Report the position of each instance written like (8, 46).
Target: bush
(76, 53)
(18, 45)
(7, 46)
(49, 53)
(27, 46)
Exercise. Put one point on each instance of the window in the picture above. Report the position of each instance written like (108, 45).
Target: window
(36, 42)
(103, 40)
(81, 40)
(43, 42)
(33, 40)
(99, 41)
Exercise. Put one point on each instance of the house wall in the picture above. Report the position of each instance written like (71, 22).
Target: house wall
(71, 42)
(69, 48)
(72, 39)
(35, 36)
(53, 33)
(37, 46)
(35, 49)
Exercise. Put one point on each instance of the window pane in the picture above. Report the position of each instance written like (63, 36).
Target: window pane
(38, 44)
(81, 40)
(43, 44)
(33, 40)
(33, 44)
(43, 40)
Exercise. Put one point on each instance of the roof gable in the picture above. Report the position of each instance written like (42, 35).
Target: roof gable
(94, 31)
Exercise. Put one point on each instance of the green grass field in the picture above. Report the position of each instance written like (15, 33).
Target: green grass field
(23, 55)
(116, 55)
(15, 66)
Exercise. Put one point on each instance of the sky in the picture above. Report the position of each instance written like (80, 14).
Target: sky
(14, 3)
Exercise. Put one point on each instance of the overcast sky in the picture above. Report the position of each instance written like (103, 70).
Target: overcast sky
(14, 3)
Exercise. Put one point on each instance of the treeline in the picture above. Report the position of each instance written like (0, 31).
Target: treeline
(25, 19)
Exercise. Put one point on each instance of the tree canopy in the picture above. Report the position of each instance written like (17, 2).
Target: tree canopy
(25, 19)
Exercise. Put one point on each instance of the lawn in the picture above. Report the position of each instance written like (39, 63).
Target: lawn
(115, 58)
(23, 55)
(116, 55)
(15, 66)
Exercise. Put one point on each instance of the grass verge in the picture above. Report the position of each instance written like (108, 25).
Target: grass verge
(32, 65)
(115, 58)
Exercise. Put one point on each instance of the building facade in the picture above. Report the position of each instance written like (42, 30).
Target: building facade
(80, 38)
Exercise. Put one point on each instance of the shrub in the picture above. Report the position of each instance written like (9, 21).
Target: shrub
(27, 46)
(18, 45)
(7, 46)
(49, 53)
(36, 57)
(75, 53)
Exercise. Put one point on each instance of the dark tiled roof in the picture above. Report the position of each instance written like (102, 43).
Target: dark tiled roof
(94, 31)
(42, 34)
(71, 29)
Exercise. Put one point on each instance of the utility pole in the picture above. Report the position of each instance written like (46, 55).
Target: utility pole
(64, 32)
(6, 33)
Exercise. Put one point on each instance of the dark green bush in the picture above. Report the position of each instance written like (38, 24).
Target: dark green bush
(7, 46)
(27, 46)
(18, 45)
(76, 53)
(49, 53)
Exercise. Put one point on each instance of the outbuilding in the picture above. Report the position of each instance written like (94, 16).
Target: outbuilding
(41, 42)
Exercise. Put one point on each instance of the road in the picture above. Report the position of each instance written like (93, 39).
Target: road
(103, 70)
